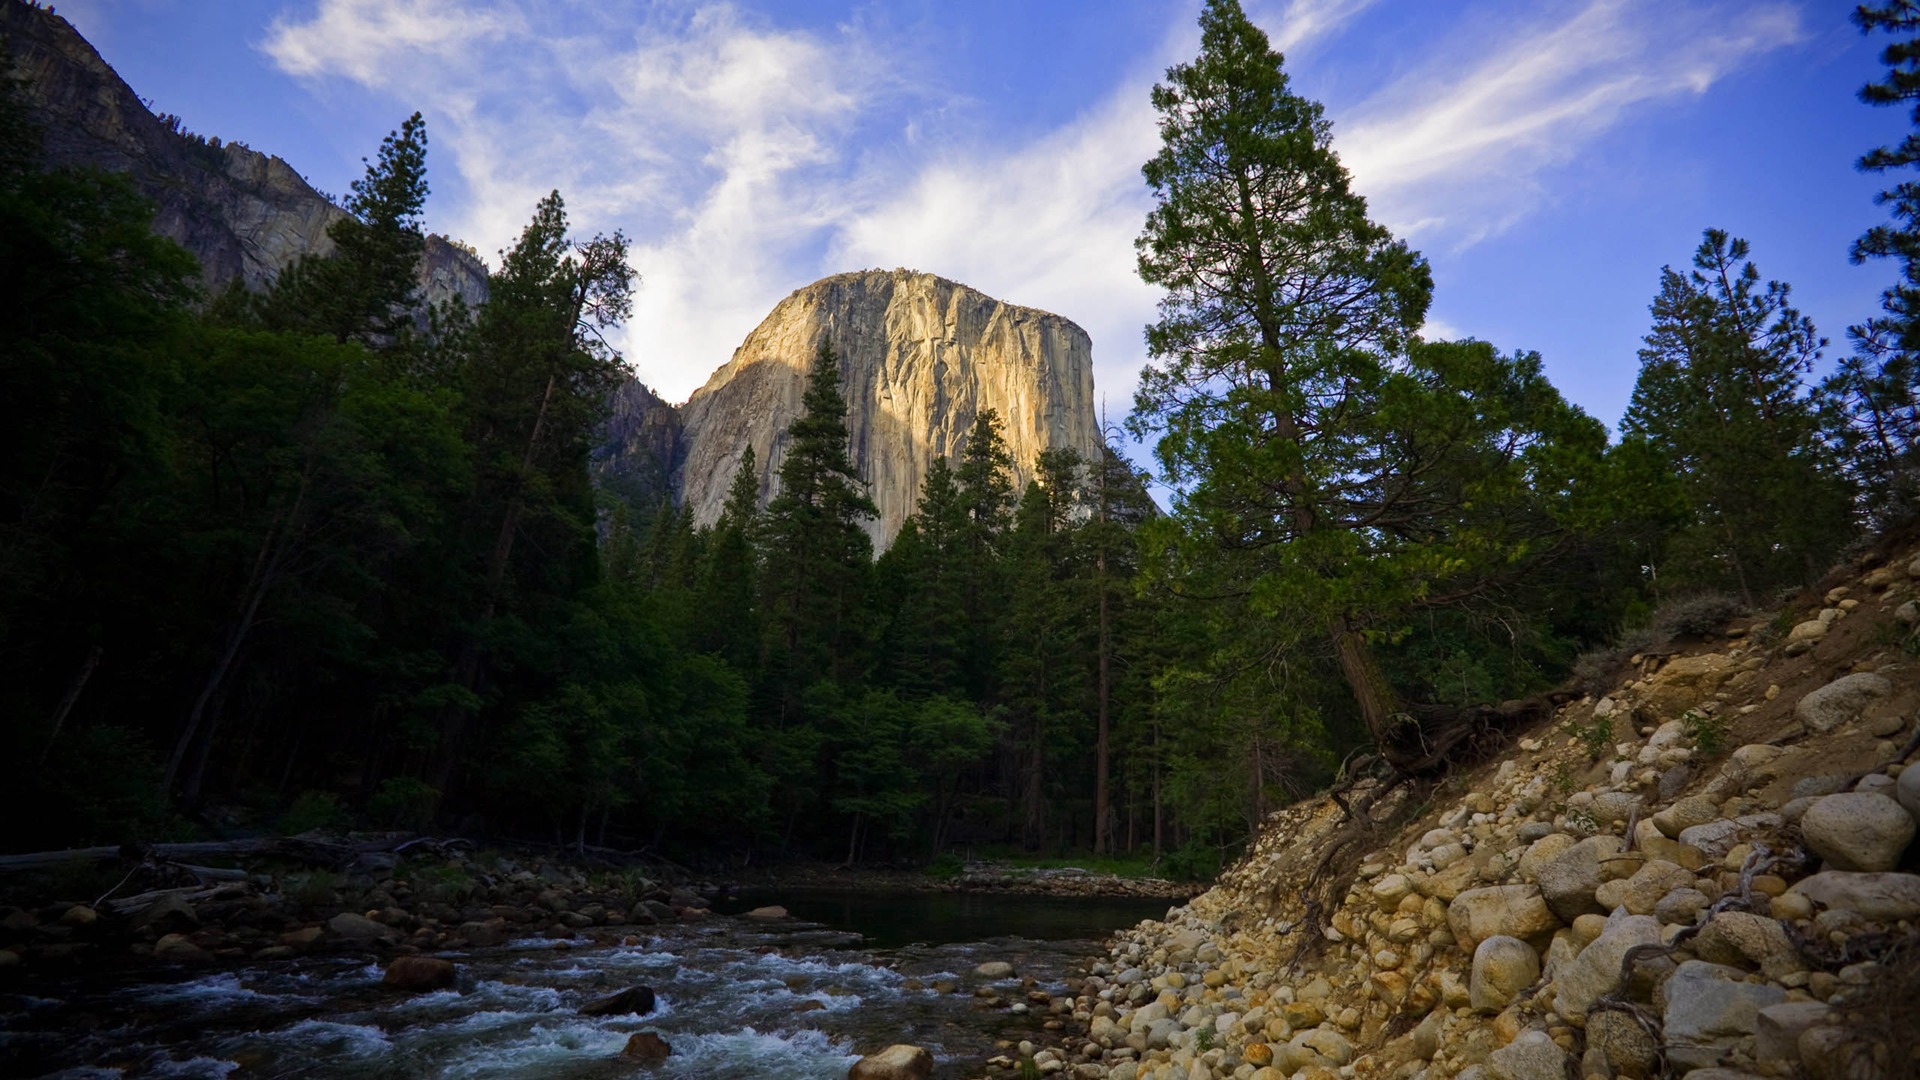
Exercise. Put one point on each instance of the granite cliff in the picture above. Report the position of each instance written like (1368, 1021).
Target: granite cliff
(244, 214)
(921, 356)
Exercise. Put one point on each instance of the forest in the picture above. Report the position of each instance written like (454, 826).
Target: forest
(328, 556)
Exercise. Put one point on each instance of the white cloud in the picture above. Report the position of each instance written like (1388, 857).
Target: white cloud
(368, 40)
(747, 159)
(1455, 151)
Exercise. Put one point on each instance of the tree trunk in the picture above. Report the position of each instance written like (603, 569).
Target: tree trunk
(73, 697)
(1376, 699)
(267, 565)
(1100, 839)
(466, 672)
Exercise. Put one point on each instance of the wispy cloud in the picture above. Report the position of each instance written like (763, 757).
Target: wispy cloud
(748, 158)
(1455, 151)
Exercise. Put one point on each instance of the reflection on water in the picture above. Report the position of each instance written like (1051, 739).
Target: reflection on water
(785, 1001)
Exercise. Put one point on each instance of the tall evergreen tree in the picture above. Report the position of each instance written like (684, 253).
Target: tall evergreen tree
(817, 552)
(1720, 396)
(368, 288)
(1871, 401)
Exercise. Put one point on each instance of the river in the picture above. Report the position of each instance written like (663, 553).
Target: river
(795, 999)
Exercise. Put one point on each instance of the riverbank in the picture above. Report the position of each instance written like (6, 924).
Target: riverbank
(981, 876)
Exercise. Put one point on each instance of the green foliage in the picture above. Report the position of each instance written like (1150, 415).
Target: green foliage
(312, 889)
(312, 810)
(1595, 735)
(1340, 472)
(1720, 397)
(1707, 730)
(402, 802)
(946, 866)
(1193, 861)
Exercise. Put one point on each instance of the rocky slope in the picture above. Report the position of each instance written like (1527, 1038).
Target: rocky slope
(921, 356)
(1707, 872)
(244, 214)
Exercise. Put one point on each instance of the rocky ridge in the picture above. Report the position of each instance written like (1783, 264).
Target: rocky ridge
(921, 357)
(243, 214)
(1708, 872)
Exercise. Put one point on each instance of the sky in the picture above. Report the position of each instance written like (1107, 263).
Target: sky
(1547, 156)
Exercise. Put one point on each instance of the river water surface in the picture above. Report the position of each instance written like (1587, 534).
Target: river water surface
(795, 999)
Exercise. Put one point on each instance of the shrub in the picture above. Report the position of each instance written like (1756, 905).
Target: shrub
(403, 802)
(1699, 615)
(1193, 861)
(312, 810)
(1708, 731)
(945, 866)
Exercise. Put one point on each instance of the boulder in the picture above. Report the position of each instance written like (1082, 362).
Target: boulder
(1651, 883)
(1630, 1052)
(647, 1048)
(634, 1000)
(898, 1062)
(180, 949)
(1841, 701)
(1596, 971)
(419, 973)
(1716, 838)
(1532, 1056)
(1907, 791)
(1778, 1029)
(1502, 967)
(1685, 814)
(1739, 939)
(1512, 910)
(358, 928)
(1709, 1011)
(171, 913)
(1568, 881)
(992, 969)
(1881, 897)
(1686, 681)
(771, 911)
(1328, 1043)
(1857, 831)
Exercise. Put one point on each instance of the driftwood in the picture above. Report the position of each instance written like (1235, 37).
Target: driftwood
(307, 849)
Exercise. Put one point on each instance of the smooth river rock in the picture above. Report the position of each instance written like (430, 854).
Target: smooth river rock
(1857, 830)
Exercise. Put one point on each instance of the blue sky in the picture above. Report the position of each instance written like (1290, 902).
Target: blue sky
(1548, 157)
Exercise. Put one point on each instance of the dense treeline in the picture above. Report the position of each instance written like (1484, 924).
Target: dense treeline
(330, 555)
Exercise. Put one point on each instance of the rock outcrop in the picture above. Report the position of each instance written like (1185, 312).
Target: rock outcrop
(921, 356)
(244, 214)
(1512, 924)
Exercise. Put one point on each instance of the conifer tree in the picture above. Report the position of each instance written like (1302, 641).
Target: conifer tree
(1720, 395)
(367, 289)
(1871, 402)
(816, 551)
(1348, 472)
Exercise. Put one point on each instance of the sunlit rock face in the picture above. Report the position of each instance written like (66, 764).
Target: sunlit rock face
(921, 357)
(242, 213)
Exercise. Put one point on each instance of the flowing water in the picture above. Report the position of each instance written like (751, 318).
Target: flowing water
(788, 1000)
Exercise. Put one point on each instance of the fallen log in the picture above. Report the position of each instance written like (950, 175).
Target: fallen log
(311, 850)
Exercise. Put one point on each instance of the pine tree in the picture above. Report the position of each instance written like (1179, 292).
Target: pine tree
(816, 552)
(1871, 402)
(1349, 473)
(1283, 303)
(1720, 396)
(367, 289)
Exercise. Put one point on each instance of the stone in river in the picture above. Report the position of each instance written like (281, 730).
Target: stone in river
(647, 1048)
(994, 969)
(897, 1062)
(771, 911)
(417, 973)
(634, 999)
